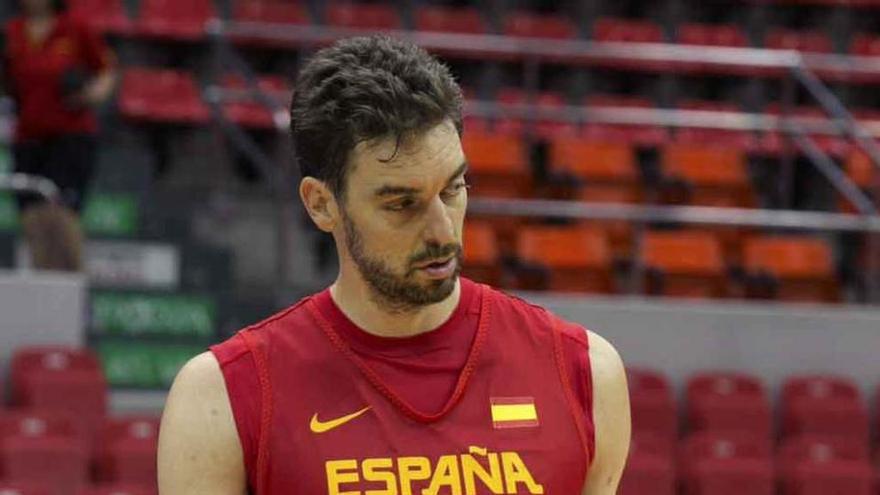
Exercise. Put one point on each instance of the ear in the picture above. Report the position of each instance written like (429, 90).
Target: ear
(319, 202)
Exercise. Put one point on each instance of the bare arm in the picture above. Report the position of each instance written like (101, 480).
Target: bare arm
(199, 449)
(611, 417)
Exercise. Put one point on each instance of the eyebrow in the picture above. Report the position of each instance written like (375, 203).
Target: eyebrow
(389, 190)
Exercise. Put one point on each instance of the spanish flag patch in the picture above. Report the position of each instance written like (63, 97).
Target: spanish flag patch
(513, 412)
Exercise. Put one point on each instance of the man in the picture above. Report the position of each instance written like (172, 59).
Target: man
(402, 377)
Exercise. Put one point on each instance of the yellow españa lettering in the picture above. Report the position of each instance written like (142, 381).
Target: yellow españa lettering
(502, 473)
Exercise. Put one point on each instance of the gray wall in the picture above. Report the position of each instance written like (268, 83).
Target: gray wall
(773, 341)
(39, 308)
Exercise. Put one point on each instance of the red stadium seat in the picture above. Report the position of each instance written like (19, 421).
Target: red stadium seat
(363, 16)
(744, 141)
(712, 35)
(576, 258)
(711, 175)
(865, 44)
(652, 404)
(449, 19)
(817, 465)
(59, 462)
(545, 128)
(161, 96)
(116, 489)
(640, 31)
(106, 16)
(172, 19)
(792, 268)
(251, 113)
(728, 401)
(498, 164)
(805, 41)
(24, 488)
(275, 11)
(825, 405)
(683, 263)
(528, 24)
(642, 135)
(482, 255)
(727, 463)
(650, 468)
(127, 451)
(29, 423)
(64, 380)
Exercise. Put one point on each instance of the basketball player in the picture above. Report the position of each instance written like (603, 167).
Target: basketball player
(402, 377)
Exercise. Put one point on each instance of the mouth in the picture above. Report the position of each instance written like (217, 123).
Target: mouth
(439, 269)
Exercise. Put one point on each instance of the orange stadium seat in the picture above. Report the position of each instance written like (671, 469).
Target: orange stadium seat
(161, 96)
(826, 405)
(498, 164)
(449, 19)
(728, 401)
(106, 16)
(523, 23)
(575, 258)
(683, 263)
(740, 140)
(253, 114)
(596, 162)
(127, 451)
(727, 463)
(172, 19)
(818, 465)
(482, 255)
(545, 128)
(620, 232)
(61, 379)
(862, 172)
(711, 175)
(650, 468)
(363, 16)
(712, 35)
(59, 462)
(792, 268)
(652, 404)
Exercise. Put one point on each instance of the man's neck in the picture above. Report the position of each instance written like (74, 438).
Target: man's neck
(357, 302)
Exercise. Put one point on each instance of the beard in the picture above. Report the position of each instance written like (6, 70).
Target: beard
(402, 293)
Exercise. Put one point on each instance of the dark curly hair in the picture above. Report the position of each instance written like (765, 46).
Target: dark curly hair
(365, 88)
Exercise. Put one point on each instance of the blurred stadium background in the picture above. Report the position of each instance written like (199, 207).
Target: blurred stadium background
(696, 180)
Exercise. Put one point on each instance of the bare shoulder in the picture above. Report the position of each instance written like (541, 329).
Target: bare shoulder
(604, 357)
(199, 449)
(611, 417)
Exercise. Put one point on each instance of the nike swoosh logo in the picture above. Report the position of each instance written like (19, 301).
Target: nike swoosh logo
(322, 426)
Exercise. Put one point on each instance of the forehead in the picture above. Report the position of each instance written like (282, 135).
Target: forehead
(419, 160)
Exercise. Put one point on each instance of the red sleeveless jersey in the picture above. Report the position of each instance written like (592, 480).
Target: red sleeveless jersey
(316, 415)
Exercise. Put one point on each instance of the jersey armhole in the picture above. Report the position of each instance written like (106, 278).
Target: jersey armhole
(578, 378)
(245, 399)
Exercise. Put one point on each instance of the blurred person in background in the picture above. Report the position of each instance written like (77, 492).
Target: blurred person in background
(57, 71)
(401, 373)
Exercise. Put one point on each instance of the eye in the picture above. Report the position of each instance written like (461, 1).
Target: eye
(400, 205)
(454, 189)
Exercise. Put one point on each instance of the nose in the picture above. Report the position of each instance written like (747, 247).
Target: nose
(439, 227)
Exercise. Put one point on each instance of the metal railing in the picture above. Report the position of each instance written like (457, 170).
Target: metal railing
(797, 68)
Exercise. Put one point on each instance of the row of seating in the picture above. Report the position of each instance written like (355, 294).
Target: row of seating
(688, 263)
(58, 437)
(731, 447)
(186, 21)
